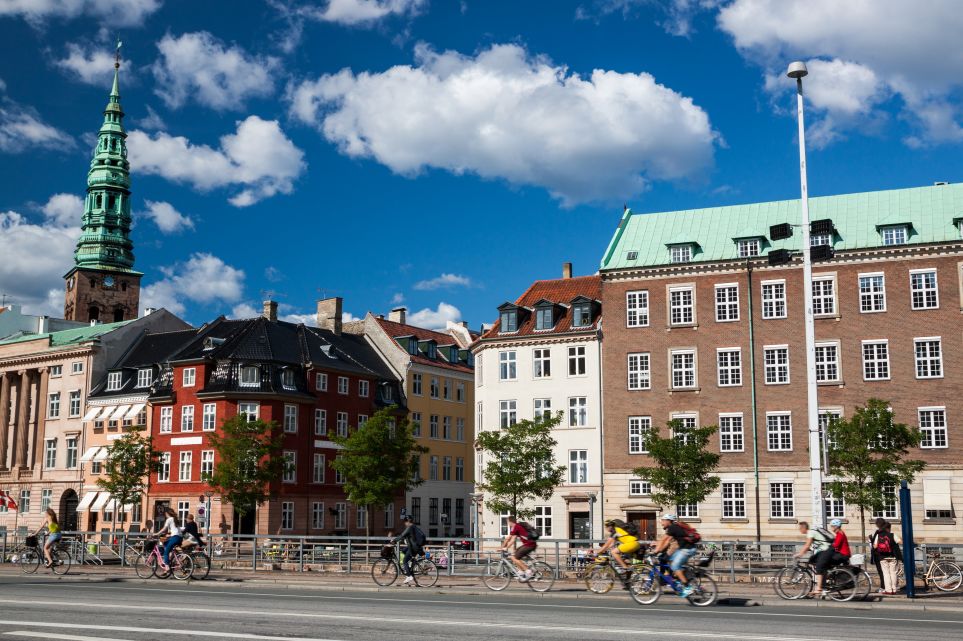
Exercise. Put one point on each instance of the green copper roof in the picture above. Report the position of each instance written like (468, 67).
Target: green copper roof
(69, 336)
(930, 211)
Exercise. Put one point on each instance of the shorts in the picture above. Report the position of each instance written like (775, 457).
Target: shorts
(630, 548)
(524, 551)
(53, 538)
(680, 557)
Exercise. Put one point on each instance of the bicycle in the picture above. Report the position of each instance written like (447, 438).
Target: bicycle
(945, 576)
(30, 555)
(385, 570)
(797, 581)
(601, 574)
(499, 575)
(645, 584)
(202, 561)
(148, 564)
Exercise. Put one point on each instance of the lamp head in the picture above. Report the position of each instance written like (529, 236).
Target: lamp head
(797, 70)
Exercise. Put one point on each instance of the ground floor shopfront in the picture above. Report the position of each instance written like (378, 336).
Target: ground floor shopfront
(573, 512)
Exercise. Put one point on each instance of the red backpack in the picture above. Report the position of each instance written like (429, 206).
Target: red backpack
(692, 537)
(883, 545)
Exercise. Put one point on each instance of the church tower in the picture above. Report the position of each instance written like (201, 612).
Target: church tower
(103, 285)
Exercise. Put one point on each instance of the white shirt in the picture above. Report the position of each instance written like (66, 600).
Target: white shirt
(171, 528)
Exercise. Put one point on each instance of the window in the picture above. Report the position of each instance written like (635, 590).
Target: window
(781, 504)
(460, 429)
(933, 427)
(340, 516)
(680, 253)
(207, 464)
(446, 389)
(578, 466)
(45, 498)
(434, 387)
(433, 426)
(24, 501)
(727, 303)
(416, 384)
(416, 509)
(113, 381)
(779, 431)
(815, 240)
(183, 508)
(827, 363)
(681, 306)
(576, 361)
(187, 418)
(507, 414)
(894, 235)
(56, 370)
(929, 358)
(479, 415)
(875, 360)
(317, 516)
(890, 508)
(638, 487)
(188, 377)
(508, 321)
(582, 315)
(578, 411)
(937, 498)
(432, 468)
(733, 500)
(446, 428)
(749, 248)
(543, 408)
(389, 515)
(459, 511)
(287, 378)
(731, 438)
(338, 474)
(688, 423)
(209, 417)
(184, 466)
(824, 296)
(248, 410)
(506, 366)
(416, 424)
(637, 309)
(923, 289)
(342, 385)
(341, 423)
(290, 467)
(542, 363)
(73, 399)
(291, 419)
(639, 375)
(77, 368)
(835, 508)
(683, 369)
(543, 520)
(164, 472)
(166, 420)
(321, 384)
(639, 427)
(687, 511)
(361, 516)
(287, 515)
(460, 469)
(50, 453)
(729, 366)
(460, 392)
(825, 418)
(544, 318)
(53, 405)
(776, 363)
(71, 452)
(145, 377)
(872, 293)
(95, 467)
(774, 299)
(446, 468)
(432, 511)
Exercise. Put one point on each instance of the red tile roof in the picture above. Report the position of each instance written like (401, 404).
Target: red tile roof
(562, 290)
(397, 330)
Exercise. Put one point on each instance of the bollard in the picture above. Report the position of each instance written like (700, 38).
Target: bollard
(349, 556)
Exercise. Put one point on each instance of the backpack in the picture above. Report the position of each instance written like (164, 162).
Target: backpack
(692, 537)
(418, 538)
(883, 545)
(530, 533)
(631, 528)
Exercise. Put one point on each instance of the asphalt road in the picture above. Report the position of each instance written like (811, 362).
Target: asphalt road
(37, 608)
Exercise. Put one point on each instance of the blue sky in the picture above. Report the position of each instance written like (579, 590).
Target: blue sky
(443, 154)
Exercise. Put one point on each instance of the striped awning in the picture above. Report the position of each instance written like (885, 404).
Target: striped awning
(120, 413)
(91, 413)
(101, 501)
(135, 410)
(106, 413)
(86, 502)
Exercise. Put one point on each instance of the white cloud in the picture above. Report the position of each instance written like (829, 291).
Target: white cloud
(152, 121)
(286, 312)
(65, 210)
(94, 66)
(398, 298)
(444, 280)
(167, 219)
(506, 114)
(22, 129)
(362, 12)
(435, 318)
(198, 66)
(676, 15)
(203, 278)
(273, 274)
(120, 13)
(244, 310)
(258, 157)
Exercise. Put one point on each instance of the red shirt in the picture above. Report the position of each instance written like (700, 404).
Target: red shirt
(521, 533)
(841, 543)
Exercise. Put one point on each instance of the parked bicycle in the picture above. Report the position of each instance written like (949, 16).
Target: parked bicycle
(840, 584)
(645, 583)
(148, 564)
(386, 569)
(30, 556)
(944, 575)
(498, 575)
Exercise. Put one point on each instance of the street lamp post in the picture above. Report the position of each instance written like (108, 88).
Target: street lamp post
(798, 71)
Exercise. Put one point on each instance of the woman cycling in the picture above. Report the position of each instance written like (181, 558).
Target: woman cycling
(172, 527)
(53, 529)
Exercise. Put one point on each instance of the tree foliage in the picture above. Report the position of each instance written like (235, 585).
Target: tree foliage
(379, 460)
(249, 458)
(520, 465)
(130, 461)
(867, 452)
(682, 466)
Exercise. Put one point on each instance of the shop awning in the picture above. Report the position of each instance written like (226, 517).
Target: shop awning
(85, 502)
(135, 410)
(936, 494)
(101, 454)
(106, 413)
(101, 501)
(91, 413)
(120, 413)
(112, 506)
(89, 454)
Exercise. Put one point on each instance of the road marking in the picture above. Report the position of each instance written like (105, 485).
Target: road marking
(125, 628)
(53, 635)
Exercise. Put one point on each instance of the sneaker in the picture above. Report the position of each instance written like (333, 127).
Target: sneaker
(409, 580)
(525, 577)
(686, 591)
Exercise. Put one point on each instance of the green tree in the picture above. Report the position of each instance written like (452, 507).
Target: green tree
(127, 468)
(520, 465)
(249, 458)
(378, 461)
(869, 452)
(681, 472)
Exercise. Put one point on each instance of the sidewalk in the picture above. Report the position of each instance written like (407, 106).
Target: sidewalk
(730, 595)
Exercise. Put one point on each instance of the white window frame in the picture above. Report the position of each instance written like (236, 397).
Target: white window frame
(364, 388)
(208, 417)
(934, 434)
(749, 247)
(50, 453)
(340, 516)
(872, 292)
(639, 427)
(825, 304)
(827, 359)
(682, 306)
(290, 474)
(773, 370)
(874, 367)
(343, 385)
(70, 452)
(733, 499)
(928, 359)
(727, 302)
(894, 235)
(321, 382)
(73, 403)
(290, 418)
(164, 469)
(541, 362)
(53, 405)
(578, 468)
(729, 370)
(640, 487)
(783, 420)
(578, 411)
(507, 368)
(317, 515)
(207, 463)
(637, 308)
(166, 419)
(189, 377)
(683, 368)
(114, 381)
(507, 413)
(185, 466)
(732, 432)
(924, 295)
(341, 423)
(187, 418)
(287, 515)
(244, 409)
(318, 470)
(680, 253)
(773, 296)
(77, 367)
(782, 499)
(320, 422)
(542, 408)
(577, 361)
(639, 371)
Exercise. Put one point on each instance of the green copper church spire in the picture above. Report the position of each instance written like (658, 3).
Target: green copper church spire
(105, 230)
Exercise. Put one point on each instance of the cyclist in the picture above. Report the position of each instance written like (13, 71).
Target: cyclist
(516, 531)
(837, 554)
(414, 540)
(190, 528)
(172, 527)
(817, 540)
(680, 535)
(52, 525)
(620, 543)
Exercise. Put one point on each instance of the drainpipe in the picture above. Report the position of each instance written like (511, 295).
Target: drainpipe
(755, 409)
(601, 443)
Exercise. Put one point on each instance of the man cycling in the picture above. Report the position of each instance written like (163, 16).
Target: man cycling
(676, 533)
(414, 540)
(817, 540)
(517, 532)
(619, 543)
(837, 554)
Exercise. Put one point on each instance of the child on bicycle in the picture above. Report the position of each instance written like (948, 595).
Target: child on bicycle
(52, 526)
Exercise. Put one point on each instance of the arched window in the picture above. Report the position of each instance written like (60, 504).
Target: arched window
(100, 201)
(111, 201)
(93, 313)
(123, 286)
(118, 315)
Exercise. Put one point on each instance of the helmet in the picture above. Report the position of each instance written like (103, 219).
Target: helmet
(836, 523)
(669, 517)
(609, 522)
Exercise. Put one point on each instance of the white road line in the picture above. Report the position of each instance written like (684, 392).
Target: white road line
(125, 628)
(53, 635)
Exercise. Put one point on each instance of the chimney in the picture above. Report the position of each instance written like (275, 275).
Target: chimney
(398, 315)
(270, 311)
(329, 314)
(566, 270)
(464, 324)
(148, 311)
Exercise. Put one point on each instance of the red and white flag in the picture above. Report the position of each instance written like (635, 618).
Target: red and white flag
(7, 501)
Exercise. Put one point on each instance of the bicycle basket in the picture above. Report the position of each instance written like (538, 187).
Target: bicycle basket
(857, 559)
(31, 542)
(387, 552)
(704, 562)
(149, 546)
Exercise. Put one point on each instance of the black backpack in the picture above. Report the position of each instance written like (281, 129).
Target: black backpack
(632, 529)
(418, 538)
(531, 533)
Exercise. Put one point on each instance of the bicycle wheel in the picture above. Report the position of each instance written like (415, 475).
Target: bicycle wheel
(644, 587)
(704, 591)
(384, 572)
(61, 561)
(182, 566)
(543, 577)
(497, 576)
(425, 572)
(840, 583)
(145, 566)
(864, 584)
(29, 560)
(946, 576)
(600, 579)
(202, 565)
(793, 583)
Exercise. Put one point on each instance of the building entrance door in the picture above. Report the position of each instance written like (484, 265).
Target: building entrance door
(646, 522)
(578, 528)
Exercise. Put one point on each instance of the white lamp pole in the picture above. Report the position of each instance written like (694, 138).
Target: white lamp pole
(798, 71)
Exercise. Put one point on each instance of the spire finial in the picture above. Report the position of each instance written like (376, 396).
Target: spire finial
(117, 54)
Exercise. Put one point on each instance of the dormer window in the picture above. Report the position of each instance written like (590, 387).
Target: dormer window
(287, 378)
(250, 376)
(631, 255)
(387, 393)
(581, 315)
(544, 318)
(431, 350)
(509, 321)
(412, 345)
(453, 354)
(680, 253)
(894, 234)
(818, 240)
(749, 247)
(145, 377)
(113, 381)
